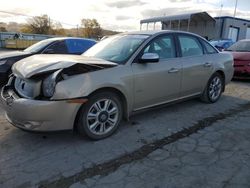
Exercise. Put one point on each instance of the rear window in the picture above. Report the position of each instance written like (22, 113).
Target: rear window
(190, 46)
(209, 49)
(78, 46)
(240, 46)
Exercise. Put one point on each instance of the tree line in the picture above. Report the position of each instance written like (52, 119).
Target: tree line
(89, 28)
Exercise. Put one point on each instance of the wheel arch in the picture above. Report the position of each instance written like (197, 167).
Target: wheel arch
(119, 93)
(223, 77)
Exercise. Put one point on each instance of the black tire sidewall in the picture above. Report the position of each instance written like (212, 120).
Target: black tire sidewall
(82, 123)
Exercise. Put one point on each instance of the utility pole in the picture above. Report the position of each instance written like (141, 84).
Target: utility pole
(235, 8)
(77, 30)
(49, 25)
(219, 33)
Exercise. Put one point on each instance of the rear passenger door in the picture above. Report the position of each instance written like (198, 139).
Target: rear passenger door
(196, 68)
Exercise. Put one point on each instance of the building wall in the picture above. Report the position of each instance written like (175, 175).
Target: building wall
(224, 25)
(242, 25)
(212, 30)
(204, 29)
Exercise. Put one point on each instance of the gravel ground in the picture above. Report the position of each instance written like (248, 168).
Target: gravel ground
(190, 144)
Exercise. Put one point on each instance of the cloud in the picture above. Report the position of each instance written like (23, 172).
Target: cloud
(149, 13)
(121, 18)
(123, 27)
(120, 15)
(125, 4)
(175, 1)
(16, 12)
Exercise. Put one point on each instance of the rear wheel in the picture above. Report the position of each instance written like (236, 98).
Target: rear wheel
(213, 89)
(100, 116)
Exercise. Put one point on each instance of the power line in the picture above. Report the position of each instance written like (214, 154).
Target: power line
(15, 13)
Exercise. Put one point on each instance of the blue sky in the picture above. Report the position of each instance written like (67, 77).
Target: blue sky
(121, 15)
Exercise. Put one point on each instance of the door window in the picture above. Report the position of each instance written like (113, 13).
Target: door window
(163, 46)
(57, 48)
(190, 46)
(209, 48)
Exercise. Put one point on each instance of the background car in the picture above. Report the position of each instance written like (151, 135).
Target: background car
(221, 44)
(66, 45)
(241, 53)
(118, 76)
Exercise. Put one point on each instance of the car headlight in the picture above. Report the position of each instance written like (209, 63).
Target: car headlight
(3, 61)
(49, 84)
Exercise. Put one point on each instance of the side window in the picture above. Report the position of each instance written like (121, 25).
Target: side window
(78, 46)
(163, 46)
(190, 46)
(209, 48)
(57, 48)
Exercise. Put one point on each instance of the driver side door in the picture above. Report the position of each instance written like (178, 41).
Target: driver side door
(156, 83)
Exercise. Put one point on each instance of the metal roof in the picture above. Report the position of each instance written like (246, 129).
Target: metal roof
(230, 17)
(198, 16)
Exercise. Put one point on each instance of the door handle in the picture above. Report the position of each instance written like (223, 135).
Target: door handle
(173, 70)
(207, 64)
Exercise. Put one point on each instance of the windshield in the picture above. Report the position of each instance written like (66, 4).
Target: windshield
(241, 46)
(117, 48)
(38, 46)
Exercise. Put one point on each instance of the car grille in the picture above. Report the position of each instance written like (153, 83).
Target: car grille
(27, 88)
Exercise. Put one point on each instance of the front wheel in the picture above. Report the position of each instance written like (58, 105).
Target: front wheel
(213, 89)
(100, 116)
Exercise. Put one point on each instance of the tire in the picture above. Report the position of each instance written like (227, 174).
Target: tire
(100, 116)
(214, 88)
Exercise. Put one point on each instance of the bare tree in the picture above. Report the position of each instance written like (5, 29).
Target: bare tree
(38, 25)
(91, 28)
(3, 29)
(57, 29)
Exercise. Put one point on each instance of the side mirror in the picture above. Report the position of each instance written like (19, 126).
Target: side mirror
(49, 51)
(149, 58)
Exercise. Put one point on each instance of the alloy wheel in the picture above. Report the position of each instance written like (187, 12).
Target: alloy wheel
(102, 116)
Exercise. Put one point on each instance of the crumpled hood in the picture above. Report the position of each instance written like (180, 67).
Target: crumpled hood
(38, 64)
(6, 55)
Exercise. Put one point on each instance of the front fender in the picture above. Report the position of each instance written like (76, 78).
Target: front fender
(82, 85)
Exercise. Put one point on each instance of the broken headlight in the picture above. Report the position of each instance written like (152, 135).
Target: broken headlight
(49, 84)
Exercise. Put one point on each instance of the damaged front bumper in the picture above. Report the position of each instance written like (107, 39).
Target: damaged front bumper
(38, 115)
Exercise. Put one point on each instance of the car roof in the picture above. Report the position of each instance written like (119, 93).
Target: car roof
(66, 38)
(158, 32)
(247, 40)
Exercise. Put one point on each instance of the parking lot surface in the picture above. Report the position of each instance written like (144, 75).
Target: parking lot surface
(190, 144)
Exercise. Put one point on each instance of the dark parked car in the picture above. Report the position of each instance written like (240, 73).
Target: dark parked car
(49, 46)
(241, 53)
(222, 44)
